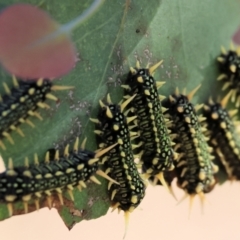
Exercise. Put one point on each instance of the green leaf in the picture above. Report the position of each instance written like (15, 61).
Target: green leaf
(187, 35)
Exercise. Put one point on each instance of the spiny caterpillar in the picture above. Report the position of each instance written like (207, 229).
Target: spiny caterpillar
(194, 167)
(229, 66)
(21, 102)
(223, 136)
(156, 153)
(120, 160)
(41, 180)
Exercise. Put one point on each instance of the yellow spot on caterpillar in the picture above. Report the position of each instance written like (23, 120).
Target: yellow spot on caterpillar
(48, 175)
(199, 188)
(38, 194)
(122, 154)
(115, 127)
(202, 175)
(11, 173)
(134, 199)
(129, 178)
(140, 79)
(27, 173)
(80, 166)
(40, 82)
(187, 120)
(10, 198)
(147, 92)
(233, 68)
(5, 113)
(38, 176)
(155, 161)
(59, 173)
(120, 141)
(31, 91)
(47, 192)
(27, 198)
(180, 109)
(70, 170)
(236, 151)
(192, 130)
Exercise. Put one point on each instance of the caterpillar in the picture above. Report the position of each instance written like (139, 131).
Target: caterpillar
(21, 102)
(120, 160)
(229, 66)
(52, 176)
(156, 153)
(223, 135)
(194, 167)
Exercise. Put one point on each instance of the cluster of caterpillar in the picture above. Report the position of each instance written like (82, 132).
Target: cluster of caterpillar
(21, 102)
(168, 136)
(35, 182)
(229, 67)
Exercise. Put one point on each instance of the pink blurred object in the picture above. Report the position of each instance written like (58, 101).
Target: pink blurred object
(236, 37)
(22, 25)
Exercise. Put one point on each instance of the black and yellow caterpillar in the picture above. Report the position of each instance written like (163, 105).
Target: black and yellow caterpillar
(223, 136)
(40, 180)
(113, 127)
(21, 102)
(229, 67)
(194, 167)
(156, 152)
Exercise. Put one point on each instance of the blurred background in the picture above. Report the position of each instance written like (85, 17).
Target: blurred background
(158, 217)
